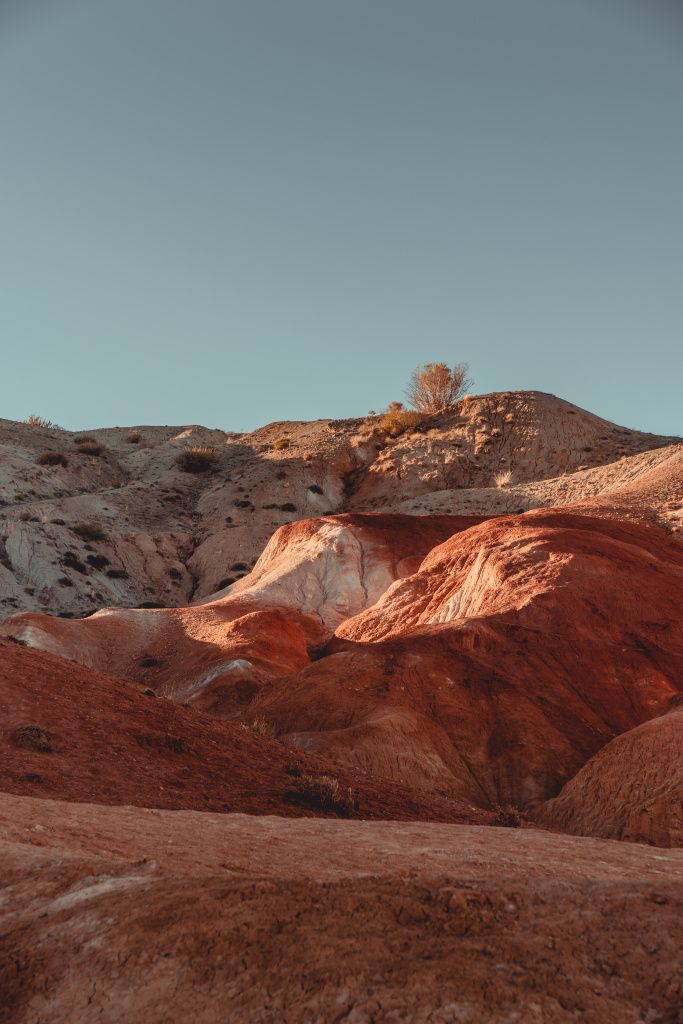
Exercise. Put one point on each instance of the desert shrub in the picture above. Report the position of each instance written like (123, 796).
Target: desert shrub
(503, 479)
(199, 459)
(324, 793)
(89, 531)
(38, 421)
(395, 420)
(282, 443)
(52, 459)
(288, 507)
(315, 489)
(435, 387)
(117, 574)
(89, 446)
(507, 816)
(134, 437)
(71, 561)
(32, 737)
(227, 581)
(97, 561)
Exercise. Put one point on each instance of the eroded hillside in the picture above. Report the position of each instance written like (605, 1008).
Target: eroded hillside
(121, 524)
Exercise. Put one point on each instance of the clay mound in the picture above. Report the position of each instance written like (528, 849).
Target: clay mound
(167, 537)
(78, 735)
(518, 650)
(632, 789)
(311, 577)
(261, 919)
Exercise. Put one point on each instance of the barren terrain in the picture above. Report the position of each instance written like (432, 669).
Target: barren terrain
(347, 727)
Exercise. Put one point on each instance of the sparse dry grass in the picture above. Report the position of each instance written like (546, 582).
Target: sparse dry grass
(324, 793)
(281, 444)
(89, 446)
(503, 479)
(89, 531)
(395, 420)
(198, 459)
(507, 816)
(259, 726)
(134, 437)
(52, 459)
(38, 421)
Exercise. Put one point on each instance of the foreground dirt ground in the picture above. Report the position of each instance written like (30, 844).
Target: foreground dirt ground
(116, 913)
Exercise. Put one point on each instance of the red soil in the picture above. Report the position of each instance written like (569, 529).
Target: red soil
(74, 734)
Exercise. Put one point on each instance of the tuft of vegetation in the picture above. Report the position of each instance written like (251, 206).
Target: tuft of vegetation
(281, 444)
(52, 459)
(503, 479)
(32, 737)
(89, 531)
(199, 459)
(89, 446)
(134, 437)
(38, 421)
(395, 420)
(507, 816)
(323, 793)
(436, 387)
(97, 561)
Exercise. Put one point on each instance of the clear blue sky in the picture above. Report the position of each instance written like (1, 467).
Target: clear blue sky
(233, 212)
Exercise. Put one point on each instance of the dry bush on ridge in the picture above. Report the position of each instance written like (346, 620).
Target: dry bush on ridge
(395, 420)
(199, 459)
(134, 437)
(281, 444)
(52, 459)
(436, 387)
(38, 421)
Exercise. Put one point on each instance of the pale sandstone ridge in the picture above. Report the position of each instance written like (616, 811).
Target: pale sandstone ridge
(632, 789)
(171, 538)
(256, 920)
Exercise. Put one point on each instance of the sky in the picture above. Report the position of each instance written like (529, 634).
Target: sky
(230, 213)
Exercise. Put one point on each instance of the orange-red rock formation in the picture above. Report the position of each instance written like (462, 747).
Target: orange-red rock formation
(631, 789)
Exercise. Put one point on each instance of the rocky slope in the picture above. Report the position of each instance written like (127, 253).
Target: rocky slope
(121, 524)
